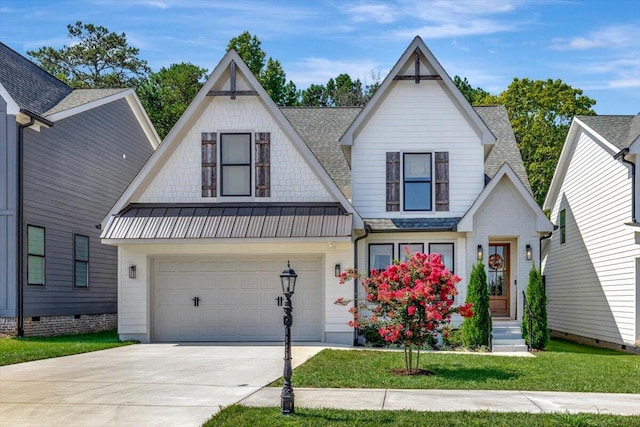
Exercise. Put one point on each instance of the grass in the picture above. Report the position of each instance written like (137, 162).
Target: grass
(565, 366)
(237, 415)
(18, 350)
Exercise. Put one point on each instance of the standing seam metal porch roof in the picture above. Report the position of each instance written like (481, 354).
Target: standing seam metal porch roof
(229, 221)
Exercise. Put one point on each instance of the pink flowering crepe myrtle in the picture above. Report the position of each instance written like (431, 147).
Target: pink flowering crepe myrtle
(408, 303)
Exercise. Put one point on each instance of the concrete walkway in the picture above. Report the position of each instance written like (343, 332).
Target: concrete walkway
(453, 400)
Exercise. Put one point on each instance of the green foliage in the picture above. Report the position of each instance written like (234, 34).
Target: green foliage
(540, 112)
(342, 91)
(18, 350)
(271, 75)
(97, 58)
(250, 50)
(475, 329)
(238, 415)
(537, 300)
(453, 339)
(473, 95)
(167, 94)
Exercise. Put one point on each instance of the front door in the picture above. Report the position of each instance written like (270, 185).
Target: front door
(499, 279)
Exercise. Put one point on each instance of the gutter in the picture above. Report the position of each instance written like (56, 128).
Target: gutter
(355, 281)
(621, 156)
(20, 212)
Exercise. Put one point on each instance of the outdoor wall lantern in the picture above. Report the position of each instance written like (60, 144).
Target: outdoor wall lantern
(528, 252)
(479, 254)
(338, 270)
(132, 272)
(288, 281)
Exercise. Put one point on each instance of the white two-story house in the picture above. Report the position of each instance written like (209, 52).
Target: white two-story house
(239, 187)
(592, 262)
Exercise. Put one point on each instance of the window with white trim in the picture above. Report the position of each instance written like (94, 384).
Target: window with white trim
(447, 252)
(235, 164)
(36, 266)
(380, 256)
(416, 181)
(80, 261)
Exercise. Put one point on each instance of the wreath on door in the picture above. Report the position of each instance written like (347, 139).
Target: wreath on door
(496, 262)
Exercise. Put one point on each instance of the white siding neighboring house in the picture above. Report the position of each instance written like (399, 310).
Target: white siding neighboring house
(592, 262)
(331, 192)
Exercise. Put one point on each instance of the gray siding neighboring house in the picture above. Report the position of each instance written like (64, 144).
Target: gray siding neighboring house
(82, 151)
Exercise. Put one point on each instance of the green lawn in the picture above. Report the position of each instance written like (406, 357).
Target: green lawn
(17, 350)
(565, 366)
(237, 415)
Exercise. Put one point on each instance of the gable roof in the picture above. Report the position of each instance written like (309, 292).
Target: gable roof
(506, 148)
(193, 111)
(321, 128)
(616, 133)
(418, 46)
(30, 87)
(26, 86)
(542, 222)
(620, 131)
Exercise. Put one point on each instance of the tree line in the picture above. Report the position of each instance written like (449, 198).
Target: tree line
(540, 111)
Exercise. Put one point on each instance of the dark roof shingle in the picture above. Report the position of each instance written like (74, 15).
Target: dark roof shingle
(620, 130)
(322, 127)
(31, 87)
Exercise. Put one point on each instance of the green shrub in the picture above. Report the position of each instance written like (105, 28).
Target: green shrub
(453, 340)
(475, 329)
(372, 336)
(537, 300)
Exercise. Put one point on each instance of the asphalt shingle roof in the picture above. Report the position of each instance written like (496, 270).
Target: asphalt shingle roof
(413, 224)
(322, 127)
(506, 147)
(621, 131)
(31, 87)
(81, 96)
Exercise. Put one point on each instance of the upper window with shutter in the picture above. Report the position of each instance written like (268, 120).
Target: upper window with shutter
(232, 164)
(36, 269)
(419, 180)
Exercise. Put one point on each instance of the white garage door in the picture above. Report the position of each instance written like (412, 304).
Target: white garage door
(237, 299)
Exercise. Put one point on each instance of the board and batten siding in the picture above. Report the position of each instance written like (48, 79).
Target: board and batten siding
(416, 118)
(74, 173)
(8, 188)
(180, 179)
(591, 279)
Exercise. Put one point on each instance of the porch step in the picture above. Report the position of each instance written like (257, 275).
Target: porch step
(506, 336)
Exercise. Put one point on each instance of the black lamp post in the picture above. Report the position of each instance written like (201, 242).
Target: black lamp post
(288, 280)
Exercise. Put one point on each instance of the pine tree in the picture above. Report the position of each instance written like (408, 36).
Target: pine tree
(537, 301)
(475, 329)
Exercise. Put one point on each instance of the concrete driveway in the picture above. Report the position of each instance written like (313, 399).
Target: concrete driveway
(139, 385)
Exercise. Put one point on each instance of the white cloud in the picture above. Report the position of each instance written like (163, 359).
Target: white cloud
(381, 13)
(454, 29)
(612, 37)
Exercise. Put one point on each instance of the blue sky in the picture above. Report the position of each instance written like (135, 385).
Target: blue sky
(590, 44)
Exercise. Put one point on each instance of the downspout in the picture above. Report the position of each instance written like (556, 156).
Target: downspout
(355, 281)
(20, 215)
(621, 156)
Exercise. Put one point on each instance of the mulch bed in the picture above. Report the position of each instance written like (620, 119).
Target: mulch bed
(404, 372)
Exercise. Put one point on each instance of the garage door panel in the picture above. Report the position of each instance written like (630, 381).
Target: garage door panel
(237, 299)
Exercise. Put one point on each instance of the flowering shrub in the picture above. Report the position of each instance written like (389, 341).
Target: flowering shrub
(409, 302)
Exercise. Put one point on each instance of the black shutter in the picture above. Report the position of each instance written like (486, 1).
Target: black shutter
(263, 164)
(209, 164)
(442, 181)
(393, 182)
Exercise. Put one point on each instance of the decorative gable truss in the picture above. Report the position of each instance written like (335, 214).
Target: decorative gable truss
(210, 164)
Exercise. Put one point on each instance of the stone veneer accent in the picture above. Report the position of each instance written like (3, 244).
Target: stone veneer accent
(60, 325)
(594, 342)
